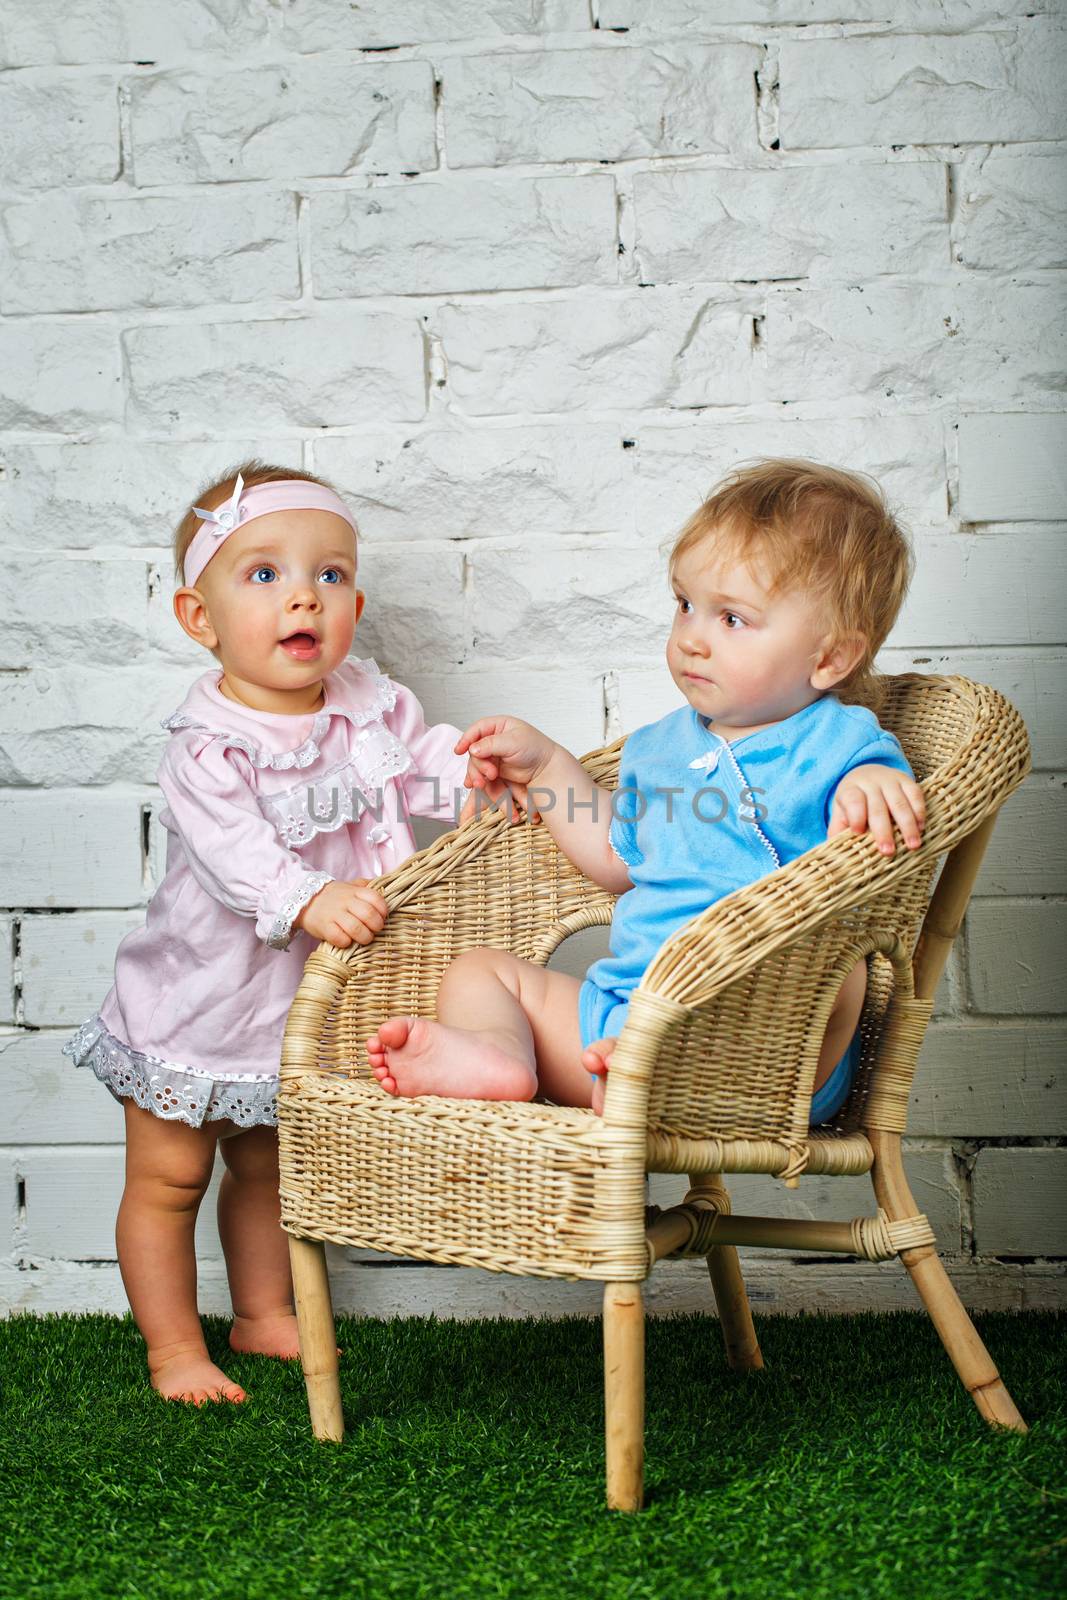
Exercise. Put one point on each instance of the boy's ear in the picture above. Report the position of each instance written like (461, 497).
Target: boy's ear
(836, 658)
(191, 612)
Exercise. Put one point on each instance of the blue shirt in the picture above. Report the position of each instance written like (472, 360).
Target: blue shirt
(696, 816)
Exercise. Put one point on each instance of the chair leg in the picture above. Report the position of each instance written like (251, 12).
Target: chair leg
(624, 1394)
(318, 1337)
(972, 1361)
(731, 1301)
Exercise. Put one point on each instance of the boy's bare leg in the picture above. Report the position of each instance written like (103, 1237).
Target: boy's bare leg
(256, 1250)
(527, 1041)
(168, 1168)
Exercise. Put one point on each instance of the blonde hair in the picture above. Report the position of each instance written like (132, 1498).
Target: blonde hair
(219, 490)
(818, 529)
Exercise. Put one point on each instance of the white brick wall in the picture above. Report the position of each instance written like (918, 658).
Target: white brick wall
(525, 278)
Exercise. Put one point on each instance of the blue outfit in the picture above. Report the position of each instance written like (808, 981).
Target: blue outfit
(697, 816)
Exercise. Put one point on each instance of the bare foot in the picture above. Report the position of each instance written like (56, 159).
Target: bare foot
(412, 1056)
(193, 1376)
(275, 1335)
(595, 1060)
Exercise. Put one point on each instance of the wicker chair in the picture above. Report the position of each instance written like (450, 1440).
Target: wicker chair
(712, 1074)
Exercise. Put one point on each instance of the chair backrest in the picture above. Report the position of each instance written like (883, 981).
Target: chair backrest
(739, 1059)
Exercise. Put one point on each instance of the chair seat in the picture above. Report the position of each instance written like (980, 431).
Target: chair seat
(515, 1187)
(512, 1186)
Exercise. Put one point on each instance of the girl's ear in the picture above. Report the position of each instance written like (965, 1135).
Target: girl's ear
(835, 659)
(361, 600)
(191, 612)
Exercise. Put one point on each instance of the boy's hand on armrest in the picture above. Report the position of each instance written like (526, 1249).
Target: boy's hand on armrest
(503, 754)
(344, 913)
(874, 797)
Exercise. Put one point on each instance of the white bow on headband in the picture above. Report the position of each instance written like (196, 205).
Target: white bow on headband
(225, 518)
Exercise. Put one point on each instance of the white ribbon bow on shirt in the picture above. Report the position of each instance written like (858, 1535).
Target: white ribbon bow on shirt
(708, 761)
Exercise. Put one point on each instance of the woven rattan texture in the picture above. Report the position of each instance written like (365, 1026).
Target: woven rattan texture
(715, 1064)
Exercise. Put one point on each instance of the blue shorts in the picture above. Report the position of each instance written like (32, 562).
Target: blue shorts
(601, 1016)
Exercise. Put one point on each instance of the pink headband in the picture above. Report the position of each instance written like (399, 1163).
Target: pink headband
(292, 494)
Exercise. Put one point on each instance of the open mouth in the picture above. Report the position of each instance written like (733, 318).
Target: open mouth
(304, 646)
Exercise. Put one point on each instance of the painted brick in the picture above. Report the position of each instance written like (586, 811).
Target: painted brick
(1013, 214)
(331, 24)
(824, 222)
(876, 341)
(73, 847)
(490, 483)
(46, 1100)
(1012, 340)
(92, 724)
(1020, 1202)
(75, 31)
(959, 596)
(58, 377)
(467, 233)
(68, 963)
(72, 1198)
(125, 492)
(601, 105)
(689, 17)
(676, 467)
(1027, 854)
(310, 372)
(58, 133)
(76, 252)
(7, 970)
(416, 608)
(591, 604)
(650, 348)
(1003, 84)
(101, 616)
(1013, 468)
(980, 1080)
(328, 119)
(568, 706)
(1017, 956)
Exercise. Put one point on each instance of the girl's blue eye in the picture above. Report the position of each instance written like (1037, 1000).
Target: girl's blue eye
(339, 576)
(268, 570)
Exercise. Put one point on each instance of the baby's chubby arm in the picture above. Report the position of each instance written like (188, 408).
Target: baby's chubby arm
(874, 797)
(502, 751)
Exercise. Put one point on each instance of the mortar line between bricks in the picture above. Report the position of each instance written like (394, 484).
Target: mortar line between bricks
(589, 41)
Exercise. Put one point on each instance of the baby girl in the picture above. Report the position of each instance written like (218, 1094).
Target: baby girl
(288, 782)
(786, 583)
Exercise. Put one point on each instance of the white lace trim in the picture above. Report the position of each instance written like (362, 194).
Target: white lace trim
(329, 802)
(385, 692)
(282, 927)
(174, 1093)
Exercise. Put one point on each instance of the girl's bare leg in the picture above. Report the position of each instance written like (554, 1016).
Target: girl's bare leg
(256, 1250)
(527, 1041)
(168, 1168)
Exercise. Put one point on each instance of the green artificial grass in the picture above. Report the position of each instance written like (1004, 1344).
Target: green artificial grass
(853, 1466)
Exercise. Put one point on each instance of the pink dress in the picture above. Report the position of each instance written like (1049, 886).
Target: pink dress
(262, 810)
